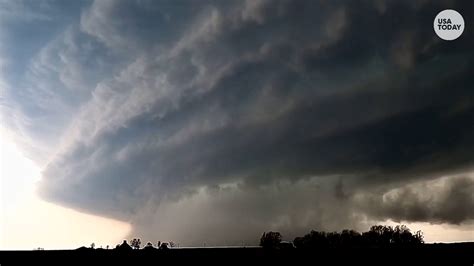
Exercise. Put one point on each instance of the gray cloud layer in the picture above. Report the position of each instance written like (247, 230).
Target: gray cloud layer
(214, 121)
(449, 200)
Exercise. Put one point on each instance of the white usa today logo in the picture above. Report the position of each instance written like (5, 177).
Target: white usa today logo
(448, 24)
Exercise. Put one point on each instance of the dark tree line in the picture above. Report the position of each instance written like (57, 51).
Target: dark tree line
(270, 239)
(377, 236)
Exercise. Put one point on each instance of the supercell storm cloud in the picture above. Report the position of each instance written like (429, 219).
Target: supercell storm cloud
(217, 120)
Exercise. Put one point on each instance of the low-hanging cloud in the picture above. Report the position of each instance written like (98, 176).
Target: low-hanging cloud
(444, 200)
(253, 115)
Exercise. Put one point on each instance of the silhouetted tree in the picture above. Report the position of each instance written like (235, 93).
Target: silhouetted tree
(136, 242)
(403, 236)
(149, 246)
(377, 236)
(270, 240)
(93, 245)
(164, 245)
(313, 239)
(124, 247)
(419, 237)
(350, 238)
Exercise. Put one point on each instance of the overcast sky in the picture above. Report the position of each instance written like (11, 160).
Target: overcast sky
(213, 121)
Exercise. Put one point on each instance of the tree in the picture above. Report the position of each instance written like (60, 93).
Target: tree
(124, 247)
(419, 237)
(270, 239)
(93, 245)
(136, 242)
(149, 246)
(377, 236)
(164, 245)
(349, 238)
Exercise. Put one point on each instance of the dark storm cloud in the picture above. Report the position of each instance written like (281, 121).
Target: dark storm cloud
(448, 200)
(363, 96)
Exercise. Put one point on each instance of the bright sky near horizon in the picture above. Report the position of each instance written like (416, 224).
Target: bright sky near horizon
(27, 222)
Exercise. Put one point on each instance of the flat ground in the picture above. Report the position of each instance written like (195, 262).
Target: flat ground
(428, 254)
